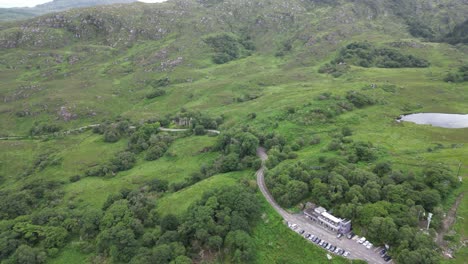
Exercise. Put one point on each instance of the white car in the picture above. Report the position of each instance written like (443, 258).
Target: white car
(369, 245)
(365, 243)
(361, 240)
(346, 253)
(294, 226)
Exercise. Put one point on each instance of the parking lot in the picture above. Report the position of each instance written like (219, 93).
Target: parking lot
(354, 249)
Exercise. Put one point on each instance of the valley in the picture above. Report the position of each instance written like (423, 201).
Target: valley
(129, 133)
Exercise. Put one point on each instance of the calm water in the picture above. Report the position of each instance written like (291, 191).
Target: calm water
(438, 120)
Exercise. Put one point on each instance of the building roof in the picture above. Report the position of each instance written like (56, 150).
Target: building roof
(331, 217)
(320, 210)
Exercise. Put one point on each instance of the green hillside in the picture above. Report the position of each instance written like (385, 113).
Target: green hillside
(20, 13)
(87, 175)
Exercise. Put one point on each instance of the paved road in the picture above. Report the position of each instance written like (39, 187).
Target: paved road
(357, 251)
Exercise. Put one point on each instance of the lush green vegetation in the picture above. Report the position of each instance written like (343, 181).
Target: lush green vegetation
(229, 47)
(458, 34)
(366, 55)
(460, 76)
(71, 192)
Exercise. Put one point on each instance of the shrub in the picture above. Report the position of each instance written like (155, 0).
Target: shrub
(75, 178)
(156, 93)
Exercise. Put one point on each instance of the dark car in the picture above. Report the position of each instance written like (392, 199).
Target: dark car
(301, 232)
(307, 235)
(318, 241)
(387, 258)
(325, 245)
(383, 252)
(332, 248)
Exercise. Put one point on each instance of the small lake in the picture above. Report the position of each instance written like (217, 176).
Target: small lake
(437, 119)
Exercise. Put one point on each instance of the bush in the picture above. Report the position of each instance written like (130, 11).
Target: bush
(41, 129)
(156, 151)
(124, 161)
(156, 93)
(199, 130)
(75, 178)
(358, 99)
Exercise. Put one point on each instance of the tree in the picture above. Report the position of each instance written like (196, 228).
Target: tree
(372, 191)
(382, 168)
(27, 255)
(169, 222)
(162, 254)
(215, 242)
(248, 144)
(54, 236)
(156, 151)
(382, 230)
(124, 161)
(181, 260)
(240, 244)
(199, 130)
(430, 199)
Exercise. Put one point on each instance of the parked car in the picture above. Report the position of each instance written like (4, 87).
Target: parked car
(365, 243)
(350, 235)
(337, 249)
(332, 249)
(361, 240)
(318, 241)
(369, 245)
(294, 226)
(387, 258)
(383, 252)
(341, 252)
(346, 253)
(339, 235)
(312, 237)
(302, 231)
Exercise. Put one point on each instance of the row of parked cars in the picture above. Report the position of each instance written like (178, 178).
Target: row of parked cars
(365, 243)
(328, 246)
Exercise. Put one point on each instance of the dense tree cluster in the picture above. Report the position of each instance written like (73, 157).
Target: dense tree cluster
(128, 229)
(459, 34)
(192, 119)
(327, 107)
(384, 202)
(113, 131)
(366, 55)
(32, 195)
(229, 47)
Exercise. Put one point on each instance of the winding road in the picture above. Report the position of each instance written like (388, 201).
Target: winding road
(357, 251)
